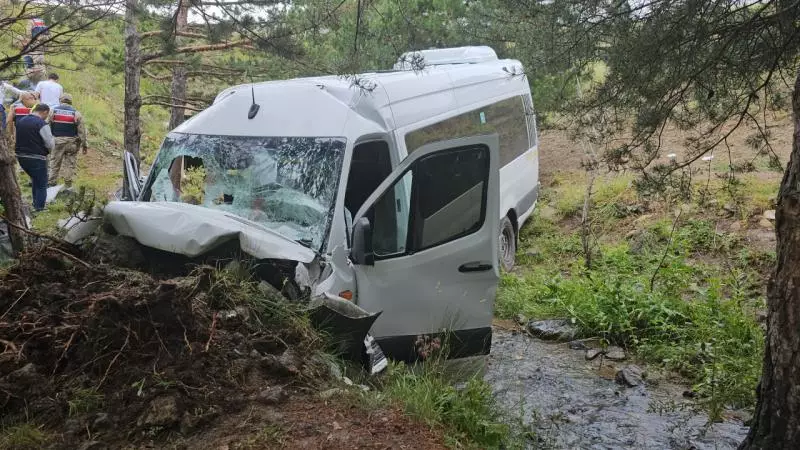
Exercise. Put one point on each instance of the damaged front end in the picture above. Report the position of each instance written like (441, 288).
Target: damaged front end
(168, 237)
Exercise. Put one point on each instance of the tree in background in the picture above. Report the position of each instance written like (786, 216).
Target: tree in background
(707, 67)
(66, 21)
(205, 40)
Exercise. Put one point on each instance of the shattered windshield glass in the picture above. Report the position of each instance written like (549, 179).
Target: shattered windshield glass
(287, 184)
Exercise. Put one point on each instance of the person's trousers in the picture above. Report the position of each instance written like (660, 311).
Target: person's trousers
(64, 160)
(37, 170)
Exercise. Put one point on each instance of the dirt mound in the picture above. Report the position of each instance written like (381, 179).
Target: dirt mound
(100, 356)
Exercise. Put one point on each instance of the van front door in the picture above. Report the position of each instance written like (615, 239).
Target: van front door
(429, 259)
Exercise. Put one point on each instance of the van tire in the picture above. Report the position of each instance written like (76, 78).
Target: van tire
(508, 245)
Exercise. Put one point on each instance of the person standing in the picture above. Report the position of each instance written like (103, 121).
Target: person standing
(50, 91)
(34, 142)
(70, 137)
(19, 109)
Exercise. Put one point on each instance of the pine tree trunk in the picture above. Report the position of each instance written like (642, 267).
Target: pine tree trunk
(178, 89)
(10, 195)
(776, 423)
(133, 73)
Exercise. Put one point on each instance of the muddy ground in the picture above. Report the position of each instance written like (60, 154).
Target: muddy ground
(95, 356)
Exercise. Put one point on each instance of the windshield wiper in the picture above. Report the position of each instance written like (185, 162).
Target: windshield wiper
(305, 243)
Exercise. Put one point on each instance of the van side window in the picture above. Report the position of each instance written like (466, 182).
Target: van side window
(370, 165)
(446, 194)
(507, 118)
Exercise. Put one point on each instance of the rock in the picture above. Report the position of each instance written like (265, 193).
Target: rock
(162, 412)
(735, 226)
(25, 376)
(347, 381)
(553, 329)
(578, 345)
(272, 396)
(101, 421)
(73, 427)
(630, 376)
(285, 365)
(769, 214)
(615, 354)
(730, 208)
(330, 393)
(765, 223)
(593, 353)
(92, 445)
(532, 253)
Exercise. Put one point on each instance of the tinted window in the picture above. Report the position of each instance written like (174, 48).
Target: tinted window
(507, 118)
(441, 198)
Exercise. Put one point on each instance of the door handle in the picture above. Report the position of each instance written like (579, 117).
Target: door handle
(475, 266)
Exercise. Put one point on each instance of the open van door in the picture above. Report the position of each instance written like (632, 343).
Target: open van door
(131, 179)
(425, 246)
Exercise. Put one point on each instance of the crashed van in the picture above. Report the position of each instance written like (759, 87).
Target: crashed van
(383, 190)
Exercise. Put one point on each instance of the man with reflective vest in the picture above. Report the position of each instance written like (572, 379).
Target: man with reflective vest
(34, 143)
(19, 109)
(70, 134)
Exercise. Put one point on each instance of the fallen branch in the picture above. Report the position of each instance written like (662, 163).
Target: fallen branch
(211, 333)
(15, 303)
(33, 233)
(71, 257)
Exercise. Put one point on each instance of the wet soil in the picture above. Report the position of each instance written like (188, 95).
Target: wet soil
(573, 403)
(97, 356)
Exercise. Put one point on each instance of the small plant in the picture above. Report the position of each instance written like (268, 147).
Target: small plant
(84, 401)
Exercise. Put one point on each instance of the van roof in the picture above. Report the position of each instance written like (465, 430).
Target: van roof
(368, 102)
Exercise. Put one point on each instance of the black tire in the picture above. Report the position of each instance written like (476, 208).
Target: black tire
(508, 245)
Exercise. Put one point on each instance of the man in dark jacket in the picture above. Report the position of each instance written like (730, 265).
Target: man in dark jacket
(34, 142)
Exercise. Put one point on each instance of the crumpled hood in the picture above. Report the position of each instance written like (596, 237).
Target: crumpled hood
(194, 230)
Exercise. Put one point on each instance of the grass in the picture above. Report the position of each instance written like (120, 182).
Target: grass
(23, 436)
(696, 316)
(467, 412)
(85, 401)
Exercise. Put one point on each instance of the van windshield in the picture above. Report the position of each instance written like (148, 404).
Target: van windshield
(286, 184)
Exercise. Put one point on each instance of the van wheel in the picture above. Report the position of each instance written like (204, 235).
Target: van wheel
(508, 244)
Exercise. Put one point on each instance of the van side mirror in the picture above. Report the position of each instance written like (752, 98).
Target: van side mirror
(131, 181)
(361, 251)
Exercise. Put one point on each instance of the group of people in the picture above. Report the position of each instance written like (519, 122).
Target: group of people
(46, 130)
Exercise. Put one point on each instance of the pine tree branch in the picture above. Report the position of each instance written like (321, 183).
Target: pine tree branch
(172, 33)
(172, 105)
(198, 49)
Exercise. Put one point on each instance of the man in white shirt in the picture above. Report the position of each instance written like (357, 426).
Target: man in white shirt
(50, 91)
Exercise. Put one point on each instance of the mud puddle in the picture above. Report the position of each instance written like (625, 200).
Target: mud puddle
(573, 403)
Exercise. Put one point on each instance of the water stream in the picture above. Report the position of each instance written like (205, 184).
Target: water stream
(573, 403)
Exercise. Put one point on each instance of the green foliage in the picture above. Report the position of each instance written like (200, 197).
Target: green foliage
(469, 413)
(698, 319)
(22, 437)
